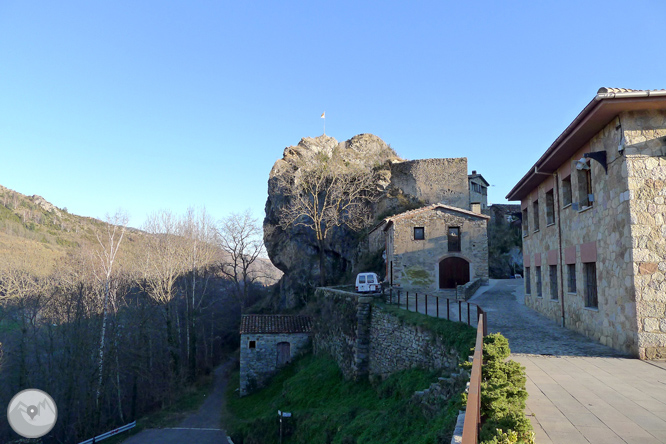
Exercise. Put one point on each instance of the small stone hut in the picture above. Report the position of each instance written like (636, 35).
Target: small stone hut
(268, 342)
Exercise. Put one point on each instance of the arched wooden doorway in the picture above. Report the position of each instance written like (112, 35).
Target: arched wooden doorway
(453, 271)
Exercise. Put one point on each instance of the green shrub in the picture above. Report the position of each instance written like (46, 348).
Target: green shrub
(503, 396)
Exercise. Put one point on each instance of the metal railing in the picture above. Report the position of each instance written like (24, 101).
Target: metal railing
(109, 434)
(473, 412)
(464, 308)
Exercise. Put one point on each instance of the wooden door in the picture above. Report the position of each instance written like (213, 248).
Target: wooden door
(453, 271)
(283, 353)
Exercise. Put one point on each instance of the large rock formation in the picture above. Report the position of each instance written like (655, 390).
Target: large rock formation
(402, 185)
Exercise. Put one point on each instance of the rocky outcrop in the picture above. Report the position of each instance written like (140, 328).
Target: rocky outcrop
(402, 185)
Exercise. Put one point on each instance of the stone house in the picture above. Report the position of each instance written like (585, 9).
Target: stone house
(268, 342)
(436, 247)
(593, 210)
(478, 190)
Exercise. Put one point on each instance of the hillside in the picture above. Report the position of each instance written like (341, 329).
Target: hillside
(36, 232)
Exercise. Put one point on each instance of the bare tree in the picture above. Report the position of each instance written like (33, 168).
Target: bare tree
(105, 259)
(324, 193)
(200, 237)
(164, 264)
(241, 238)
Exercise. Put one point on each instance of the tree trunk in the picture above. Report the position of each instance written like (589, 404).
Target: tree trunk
(322, 264)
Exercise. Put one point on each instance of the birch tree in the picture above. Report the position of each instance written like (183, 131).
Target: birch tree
(105, 258)
(324, 193)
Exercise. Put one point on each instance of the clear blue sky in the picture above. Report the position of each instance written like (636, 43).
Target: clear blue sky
(146, 105)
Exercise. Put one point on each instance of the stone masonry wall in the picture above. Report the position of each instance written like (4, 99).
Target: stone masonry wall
(604, 228)
(416, 262)
(364, 340)
(433, 180)
(258, 364)
(395, 346)
(645, 136)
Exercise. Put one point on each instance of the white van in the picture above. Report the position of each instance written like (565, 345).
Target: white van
(368, 283)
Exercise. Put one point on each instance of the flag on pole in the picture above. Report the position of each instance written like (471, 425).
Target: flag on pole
(323, 115)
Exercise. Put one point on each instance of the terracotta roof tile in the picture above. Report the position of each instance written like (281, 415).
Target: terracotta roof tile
(408, 214)
(604, 90)
(253, 323)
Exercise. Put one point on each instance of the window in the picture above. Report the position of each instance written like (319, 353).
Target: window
(528, 284)
(550, 208)
(553, 282)
(535, 206)
(526, 224)
(454, 239)
(253, 344)
(585, 197)
(571, 274)
(566, 191)
(590, 274)
(419, 233)
(538, 281)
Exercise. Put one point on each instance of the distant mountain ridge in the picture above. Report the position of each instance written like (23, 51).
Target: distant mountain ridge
(36, 232)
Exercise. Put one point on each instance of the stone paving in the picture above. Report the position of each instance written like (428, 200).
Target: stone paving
(580, 391)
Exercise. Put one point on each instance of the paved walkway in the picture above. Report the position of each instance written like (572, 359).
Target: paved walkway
(580, 391)
(202, 427)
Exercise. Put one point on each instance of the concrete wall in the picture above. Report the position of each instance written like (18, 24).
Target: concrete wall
(416, 262)
(622, 232)
(258, 364)
(434, 180)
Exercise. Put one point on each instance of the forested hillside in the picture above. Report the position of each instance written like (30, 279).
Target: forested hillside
(111, 321)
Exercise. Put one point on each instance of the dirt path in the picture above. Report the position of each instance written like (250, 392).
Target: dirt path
(202, 427)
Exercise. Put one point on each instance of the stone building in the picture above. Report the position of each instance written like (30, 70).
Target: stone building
(436, 247)
(268, 342)
(593, 210)
(478, 190)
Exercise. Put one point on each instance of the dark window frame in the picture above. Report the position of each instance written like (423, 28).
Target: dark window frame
(571, 278)
(550, 208)
(252, 344)
(454, 244)
(552, 269)
(567, 196)
(535, 211)
(590, 279)
(421, 235)
(539, 286)
(528, 282)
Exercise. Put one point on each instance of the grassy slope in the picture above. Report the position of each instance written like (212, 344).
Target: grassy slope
(328, 409)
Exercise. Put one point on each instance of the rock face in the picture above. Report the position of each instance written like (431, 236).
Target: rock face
(402, 185)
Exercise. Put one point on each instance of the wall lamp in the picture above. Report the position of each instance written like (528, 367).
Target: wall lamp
(599, 156)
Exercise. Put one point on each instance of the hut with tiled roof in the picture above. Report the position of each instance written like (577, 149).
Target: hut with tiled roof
(268, 342)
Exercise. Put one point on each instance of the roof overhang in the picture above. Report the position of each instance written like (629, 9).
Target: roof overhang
(595, 116)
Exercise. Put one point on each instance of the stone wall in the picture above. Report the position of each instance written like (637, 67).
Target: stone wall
(645, 136)
(258, 364)
(622, 232)
(365, 340)
(396, 346)
(433, 180)
(415, 263)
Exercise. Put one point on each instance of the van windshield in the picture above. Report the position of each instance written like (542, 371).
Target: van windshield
(371, 279)
(361, 279)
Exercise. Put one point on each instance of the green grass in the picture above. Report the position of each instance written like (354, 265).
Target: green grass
(328, 409)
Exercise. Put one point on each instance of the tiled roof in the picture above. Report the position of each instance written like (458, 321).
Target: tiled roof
(408, 214)
(252, 323)
(604, 90)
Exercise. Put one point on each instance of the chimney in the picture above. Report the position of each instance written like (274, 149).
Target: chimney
(476, 207)
(473, 171)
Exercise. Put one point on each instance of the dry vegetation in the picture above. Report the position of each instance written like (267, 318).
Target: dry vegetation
(115, 322)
